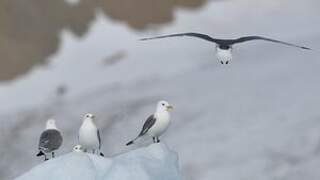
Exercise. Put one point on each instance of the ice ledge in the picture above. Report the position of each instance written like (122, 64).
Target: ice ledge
(155, 162)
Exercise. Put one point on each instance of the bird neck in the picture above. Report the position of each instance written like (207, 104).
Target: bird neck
(88, 121)
(51, 126)
(161, 112)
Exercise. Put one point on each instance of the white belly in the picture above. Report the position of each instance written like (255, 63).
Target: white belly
(88, 136)
(160, 126)
(224, 55)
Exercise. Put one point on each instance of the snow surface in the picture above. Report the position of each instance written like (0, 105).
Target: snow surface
(155, 162)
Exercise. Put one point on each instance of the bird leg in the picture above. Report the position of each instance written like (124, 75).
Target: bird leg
(45, 157)
(154, 139)
(158, 140)
(93, 151)
(52, 155)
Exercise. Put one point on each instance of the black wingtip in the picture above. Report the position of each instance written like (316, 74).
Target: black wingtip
(306, 48)
(129, 143)
(144, 39)
(40, 154)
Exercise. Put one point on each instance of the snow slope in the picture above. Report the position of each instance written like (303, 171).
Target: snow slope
(155, 162)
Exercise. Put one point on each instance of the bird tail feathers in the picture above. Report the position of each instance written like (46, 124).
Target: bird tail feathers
(131, 142)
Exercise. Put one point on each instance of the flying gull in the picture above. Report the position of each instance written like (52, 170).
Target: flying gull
(89, 135)
(50, 140)
(157, 123)
(224, 46)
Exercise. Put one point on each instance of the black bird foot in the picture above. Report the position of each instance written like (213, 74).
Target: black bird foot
(221, 62)
(227, 62)
(101, 154)
(156, 140)
(46, 159)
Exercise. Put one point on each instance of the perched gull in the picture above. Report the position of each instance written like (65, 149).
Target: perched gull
(89, 135)
(224, 46)
(156, 123)
(50, 139)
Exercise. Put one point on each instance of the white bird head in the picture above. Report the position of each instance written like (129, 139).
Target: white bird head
(77, 148)
(51, 124)
(164, 106)
(90, 116)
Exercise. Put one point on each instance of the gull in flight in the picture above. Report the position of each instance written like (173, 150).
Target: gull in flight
(224, 46)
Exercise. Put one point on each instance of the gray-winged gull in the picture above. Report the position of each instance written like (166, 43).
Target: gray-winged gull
(50, 140)
(89, 135)
(224, 46)
(157, 123)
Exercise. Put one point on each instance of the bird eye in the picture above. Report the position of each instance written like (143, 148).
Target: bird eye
(162, 104)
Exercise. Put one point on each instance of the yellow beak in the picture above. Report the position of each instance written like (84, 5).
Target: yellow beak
(169, 108)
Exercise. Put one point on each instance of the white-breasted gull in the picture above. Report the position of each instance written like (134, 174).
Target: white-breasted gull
(224, 46)
(157, 123)
(89, 135)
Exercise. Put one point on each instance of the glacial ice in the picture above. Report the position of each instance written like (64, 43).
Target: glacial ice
(154, 162)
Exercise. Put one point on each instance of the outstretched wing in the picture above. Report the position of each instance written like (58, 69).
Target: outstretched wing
(198, 35)
(251, 38)
(99, 138)
(147, 125)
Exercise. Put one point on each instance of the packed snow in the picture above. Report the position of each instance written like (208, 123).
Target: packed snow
(155, 162)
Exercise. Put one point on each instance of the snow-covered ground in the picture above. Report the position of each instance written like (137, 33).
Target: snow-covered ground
(256, 118)
(155, 162)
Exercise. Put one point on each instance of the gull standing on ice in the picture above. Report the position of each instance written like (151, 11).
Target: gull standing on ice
(157, 123)
(224, 46)
(50, 140)
(89, 135)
